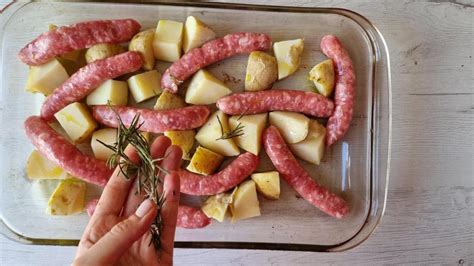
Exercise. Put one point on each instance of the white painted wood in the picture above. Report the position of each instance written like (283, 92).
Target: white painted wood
(430, 213)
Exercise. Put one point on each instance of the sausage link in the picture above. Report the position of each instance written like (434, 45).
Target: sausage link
(191, 218)
(211, 52)
(306, 102)
(344, 95)
(184, 118)
(78, 36)
(87, 79)
(239, 169)
(60, 151)
(295, 175)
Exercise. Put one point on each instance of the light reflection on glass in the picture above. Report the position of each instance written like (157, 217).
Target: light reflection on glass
(346, 167)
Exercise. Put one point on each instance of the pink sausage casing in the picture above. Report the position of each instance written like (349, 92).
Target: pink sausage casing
(78, 36)
(184, 118)
(306, 102)
(211, 52)
(191, 218)
(188, 217)
(344, 95)
(87, 79)
(239, 169)
(295, 175)
(60, 151)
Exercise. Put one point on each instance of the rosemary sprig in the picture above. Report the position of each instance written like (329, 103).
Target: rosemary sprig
(236, 132)
(147, 172)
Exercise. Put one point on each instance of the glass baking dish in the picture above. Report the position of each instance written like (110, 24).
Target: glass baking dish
(356, 168)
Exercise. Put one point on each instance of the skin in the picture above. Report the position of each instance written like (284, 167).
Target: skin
(117, 234)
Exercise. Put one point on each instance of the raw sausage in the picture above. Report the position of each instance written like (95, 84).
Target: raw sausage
(60, 151)
(344, 95)
(231, 176)
(211, 52)
(298, 178)
(87, 79)
(189, 217)
(78, 36)
(306, 102)
(184, 118)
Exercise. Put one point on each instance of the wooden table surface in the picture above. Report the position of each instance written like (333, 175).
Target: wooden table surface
(430, 214)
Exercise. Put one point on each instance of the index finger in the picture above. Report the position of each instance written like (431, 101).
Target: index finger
(116, 191)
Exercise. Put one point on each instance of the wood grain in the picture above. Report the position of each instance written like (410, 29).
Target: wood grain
(430, 213)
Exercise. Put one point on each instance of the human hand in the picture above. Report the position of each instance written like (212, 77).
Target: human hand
(118, 232)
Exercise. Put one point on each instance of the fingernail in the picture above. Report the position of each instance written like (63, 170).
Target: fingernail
(144, 208)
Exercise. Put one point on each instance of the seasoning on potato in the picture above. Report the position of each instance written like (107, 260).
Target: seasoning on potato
(262, 71)
(323, 77)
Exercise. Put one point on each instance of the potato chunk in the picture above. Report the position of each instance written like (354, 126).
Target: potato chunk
(216, 206)
(142, 42)
(288, 55)
(245, 202)
(311, 149)
(167, 42)
(268, 184)
(77, 121)
(204, 161)
(46, 78)
(168, 100)
(107, 136)
(67, 198)
(113, 92)
(183, 139)
(204, 88)
(210, 135)
(323, 77)
(262, 71)
(102, 51)
(145, 85)
(252, 128)
(292, 126)
(196, 33)
(39, 167)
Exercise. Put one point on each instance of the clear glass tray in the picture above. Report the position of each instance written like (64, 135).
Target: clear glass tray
(356, 168)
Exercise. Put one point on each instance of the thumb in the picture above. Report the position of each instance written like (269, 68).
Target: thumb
(118, 240)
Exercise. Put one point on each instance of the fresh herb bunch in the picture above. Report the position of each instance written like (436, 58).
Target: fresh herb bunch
(147, 172)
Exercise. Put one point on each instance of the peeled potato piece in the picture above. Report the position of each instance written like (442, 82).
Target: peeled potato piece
(268, 184)
(39, 167)
(204, 161)
(288, 54)
(196, 33)
(245, 203)
(183, 139)
(216, 206)
(323, 77)
(67, 198)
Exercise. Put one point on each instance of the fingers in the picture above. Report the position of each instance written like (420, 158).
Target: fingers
(172, 159)
(159, 146)
(116, 191)
(109, 249)
(158, 150)
(169, 215)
